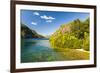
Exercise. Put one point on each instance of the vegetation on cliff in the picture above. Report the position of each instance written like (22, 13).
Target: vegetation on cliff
(73, 35)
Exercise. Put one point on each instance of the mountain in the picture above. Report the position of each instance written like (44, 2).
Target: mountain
(26, 32)
(76, 28)
(73, 35)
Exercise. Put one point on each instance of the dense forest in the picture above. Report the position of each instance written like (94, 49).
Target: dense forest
(73, 35)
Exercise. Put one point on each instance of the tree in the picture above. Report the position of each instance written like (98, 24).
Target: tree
(74, 35)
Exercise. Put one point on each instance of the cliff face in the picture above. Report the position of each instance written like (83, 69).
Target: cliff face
(26, 32)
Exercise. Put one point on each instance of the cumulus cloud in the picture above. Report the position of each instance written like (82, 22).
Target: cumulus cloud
(36, 13)
(47, 17)
(33, 23)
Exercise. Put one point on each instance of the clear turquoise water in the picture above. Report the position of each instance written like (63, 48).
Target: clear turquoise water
(38, 50)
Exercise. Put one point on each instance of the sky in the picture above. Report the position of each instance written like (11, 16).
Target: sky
(47, 22)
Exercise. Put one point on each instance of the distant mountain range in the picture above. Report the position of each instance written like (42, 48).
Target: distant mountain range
(26, 32)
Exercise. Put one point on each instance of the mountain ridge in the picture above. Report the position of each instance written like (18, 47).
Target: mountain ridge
(26, 32)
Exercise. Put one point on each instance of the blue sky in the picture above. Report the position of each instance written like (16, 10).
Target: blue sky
(47, 22)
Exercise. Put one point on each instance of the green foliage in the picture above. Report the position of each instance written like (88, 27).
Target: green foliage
(74, 35)
(78, 28)
(86, 41)
(66, 41)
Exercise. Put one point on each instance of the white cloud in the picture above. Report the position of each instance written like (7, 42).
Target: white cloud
(44, 17)
(36, 13)
(49, 21)
(51, 17)
(47, 17)
(33, 23)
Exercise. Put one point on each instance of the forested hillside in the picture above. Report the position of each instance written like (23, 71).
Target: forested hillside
(72, 35)
(26, 32)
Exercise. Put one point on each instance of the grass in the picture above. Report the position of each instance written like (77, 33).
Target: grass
(73, 54)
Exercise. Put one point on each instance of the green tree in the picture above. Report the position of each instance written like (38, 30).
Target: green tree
(74, 35)
(86, 42)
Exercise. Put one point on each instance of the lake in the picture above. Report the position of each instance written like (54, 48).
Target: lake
(39, 50)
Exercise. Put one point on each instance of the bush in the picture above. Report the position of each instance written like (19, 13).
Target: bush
(66, 41)
(86, 41)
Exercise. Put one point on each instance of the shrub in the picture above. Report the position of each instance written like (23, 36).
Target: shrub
(66, 41)
(86, 41)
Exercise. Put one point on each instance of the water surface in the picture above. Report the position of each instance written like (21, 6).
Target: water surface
(38, 50)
